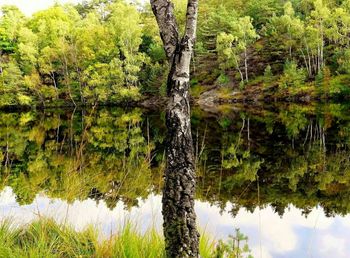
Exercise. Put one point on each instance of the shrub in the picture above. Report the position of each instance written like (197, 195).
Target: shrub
(292, 76)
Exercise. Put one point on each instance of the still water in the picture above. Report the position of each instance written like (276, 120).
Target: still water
(280, 173)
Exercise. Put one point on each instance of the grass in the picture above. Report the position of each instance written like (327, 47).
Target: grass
(197, 90)
(46, 238)
(225, 93)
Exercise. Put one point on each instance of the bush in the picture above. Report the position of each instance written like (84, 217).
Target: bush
(268, 76)
(292, 76)
(223, 79)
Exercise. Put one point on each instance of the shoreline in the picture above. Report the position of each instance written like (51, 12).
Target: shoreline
(207, 100)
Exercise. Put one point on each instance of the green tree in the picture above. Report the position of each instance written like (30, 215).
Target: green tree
(233, 45)
(292, 76)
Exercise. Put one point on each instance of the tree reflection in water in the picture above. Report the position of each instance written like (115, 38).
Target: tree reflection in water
(300, 153)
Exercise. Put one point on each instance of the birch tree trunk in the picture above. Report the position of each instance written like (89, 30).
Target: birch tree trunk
(181, 235)
(246, 65)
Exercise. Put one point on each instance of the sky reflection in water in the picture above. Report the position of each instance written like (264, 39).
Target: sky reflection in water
(300, 154)
(292, 235)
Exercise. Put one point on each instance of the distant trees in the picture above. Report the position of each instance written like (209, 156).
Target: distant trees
(61, 54)
(232, 47)
(313, 36)
(107, 51)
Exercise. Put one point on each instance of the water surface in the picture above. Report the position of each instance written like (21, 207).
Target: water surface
(280, 173)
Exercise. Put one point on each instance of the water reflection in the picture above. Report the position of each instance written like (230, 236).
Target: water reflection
(292, 235)
(292, 161)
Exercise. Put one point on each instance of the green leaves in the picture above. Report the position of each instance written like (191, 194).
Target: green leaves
(60, 54)
(292, 76)
(233, 45)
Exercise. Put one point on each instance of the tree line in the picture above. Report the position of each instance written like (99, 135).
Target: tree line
(88, 53)
(108, 51)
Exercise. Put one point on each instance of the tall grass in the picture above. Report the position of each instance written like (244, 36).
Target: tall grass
(46, 238)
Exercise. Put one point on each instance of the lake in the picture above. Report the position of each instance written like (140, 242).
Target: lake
(279, 172)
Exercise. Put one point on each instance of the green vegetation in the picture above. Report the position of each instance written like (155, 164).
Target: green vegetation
(300, 154)
(296, 154)
(46, 238)
(275, 49)
(108, 52)
(87, 54)
(288, 48)
(76, 156)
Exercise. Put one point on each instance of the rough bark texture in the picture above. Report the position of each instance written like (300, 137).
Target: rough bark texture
(164, 12)
(181, 235)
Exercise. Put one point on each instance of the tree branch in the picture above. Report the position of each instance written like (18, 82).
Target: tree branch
(191, 23)
(163, 10)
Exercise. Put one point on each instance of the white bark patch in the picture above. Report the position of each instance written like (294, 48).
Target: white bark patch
(182, 72)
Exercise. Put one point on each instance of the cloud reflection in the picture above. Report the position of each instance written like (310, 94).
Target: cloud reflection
(270, 235)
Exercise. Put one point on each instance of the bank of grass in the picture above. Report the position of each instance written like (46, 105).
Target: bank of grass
(46, 238)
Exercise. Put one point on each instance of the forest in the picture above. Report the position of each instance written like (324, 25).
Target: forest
(220, 110)
(109, 52)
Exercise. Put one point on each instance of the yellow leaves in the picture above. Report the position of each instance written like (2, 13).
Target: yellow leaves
(288, 9)
(124, 24)
(32, 81)
(37, 134)
(130, 93)
(132, 117)
(39, 170)
(321, 11)
(28, 37)
(24, 100)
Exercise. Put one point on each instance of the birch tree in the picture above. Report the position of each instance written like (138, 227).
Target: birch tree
(232, 47)
(181, 235)
(319, 17)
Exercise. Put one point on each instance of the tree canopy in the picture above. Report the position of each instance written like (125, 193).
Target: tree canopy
(111, 51)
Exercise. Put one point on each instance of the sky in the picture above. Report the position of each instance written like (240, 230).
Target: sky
(28, 7)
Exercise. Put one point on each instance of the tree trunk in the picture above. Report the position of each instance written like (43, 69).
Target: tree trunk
(181, 235)
(178, 194)
(246, 65)
(52, 75)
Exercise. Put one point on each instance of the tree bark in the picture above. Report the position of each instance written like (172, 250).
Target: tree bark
(181, 235)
